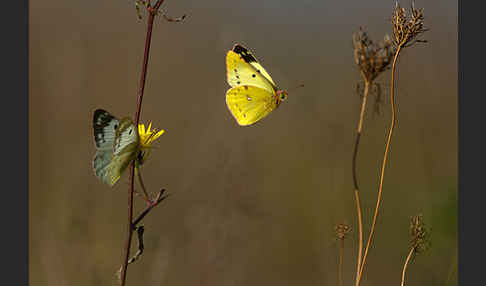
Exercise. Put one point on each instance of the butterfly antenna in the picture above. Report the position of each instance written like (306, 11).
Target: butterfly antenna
(295, 87)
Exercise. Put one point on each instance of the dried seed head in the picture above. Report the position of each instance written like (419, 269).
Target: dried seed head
(372, 59)
(419, 234)
(341, 230)
(406, 30)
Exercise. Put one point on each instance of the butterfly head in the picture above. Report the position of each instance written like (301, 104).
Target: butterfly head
(281, 96)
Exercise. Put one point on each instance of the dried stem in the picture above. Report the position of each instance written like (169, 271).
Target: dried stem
(152, 11)
(355, 180)
(419, 240)
(406, 32)
(385, 157)
(409, 256)
(340, 265)
(372, 60)
(139, 252)
(341, 232)
(141, 247)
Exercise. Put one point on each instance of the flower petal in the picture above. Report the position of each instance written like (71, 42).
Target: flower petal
(149, 135)
(150, 125)
(158, 134)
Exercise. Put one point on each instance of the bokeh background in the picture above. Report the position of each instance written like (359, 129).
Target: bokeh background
(249, 206)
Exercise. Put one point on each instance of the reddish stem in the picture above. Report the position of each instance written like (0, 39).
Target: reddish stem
(151, 14)
(160, 197)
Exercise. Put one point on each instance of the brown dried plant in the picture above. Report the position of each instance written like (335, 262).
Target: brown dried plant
(342, 230)
(406, 30)
(372, 60)
(419, 241)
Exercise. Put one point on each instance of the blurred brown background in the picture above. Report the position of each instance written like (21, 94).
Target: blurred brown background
(249, 206)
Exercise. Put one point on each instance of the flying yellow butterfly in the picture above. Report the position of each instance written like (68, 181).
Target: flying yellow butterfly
(253, 94)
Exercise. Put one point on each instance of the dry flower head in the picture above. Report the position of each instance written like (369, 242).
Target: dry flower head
(419, 234)
(371, 58)
(407, 28)
(341, 230)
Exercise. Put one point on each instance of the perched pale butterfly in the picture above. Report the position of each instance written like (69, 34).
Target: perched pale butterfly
(253, 94)
(117, 145)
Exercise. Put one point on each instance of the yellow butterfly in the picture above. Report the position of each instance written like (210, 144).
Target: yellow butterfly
(253, 94)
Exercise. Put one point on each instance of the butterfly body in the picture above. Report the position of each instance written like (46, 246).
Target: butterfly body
(117, 145)
(253, 94)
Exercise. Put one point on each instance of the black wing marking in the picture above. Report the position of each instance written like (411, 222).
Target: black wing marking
(244, 53)
(102, 120)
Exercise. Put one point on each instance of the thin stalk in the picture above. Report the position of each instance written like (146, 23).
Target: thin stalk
(405, 265)
(360, 232)
(142, 185)
(355, 179)
(148, 38)
(385, 157)
(160, 197)
(340, 266)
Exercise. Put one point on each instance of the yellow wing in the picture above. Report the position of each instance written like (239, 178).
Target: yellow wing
(242, 68)
(248, 104)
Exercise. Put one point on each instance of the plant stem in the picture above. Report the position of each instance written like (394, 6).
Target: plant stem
(160, 197)
(360, 231)
(406, 264)
(148, 39)
(340, 266)
(355, 179)
(385, 157)
(142, 185)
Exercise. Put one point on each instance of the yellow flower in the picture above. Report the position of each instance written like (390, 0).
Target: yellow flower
(147, 137)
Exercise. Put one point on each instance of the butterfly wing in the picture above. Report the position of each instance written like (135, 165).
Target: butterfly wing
(104, 127)
(125, 150)
(242, 68)
(249, 104)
